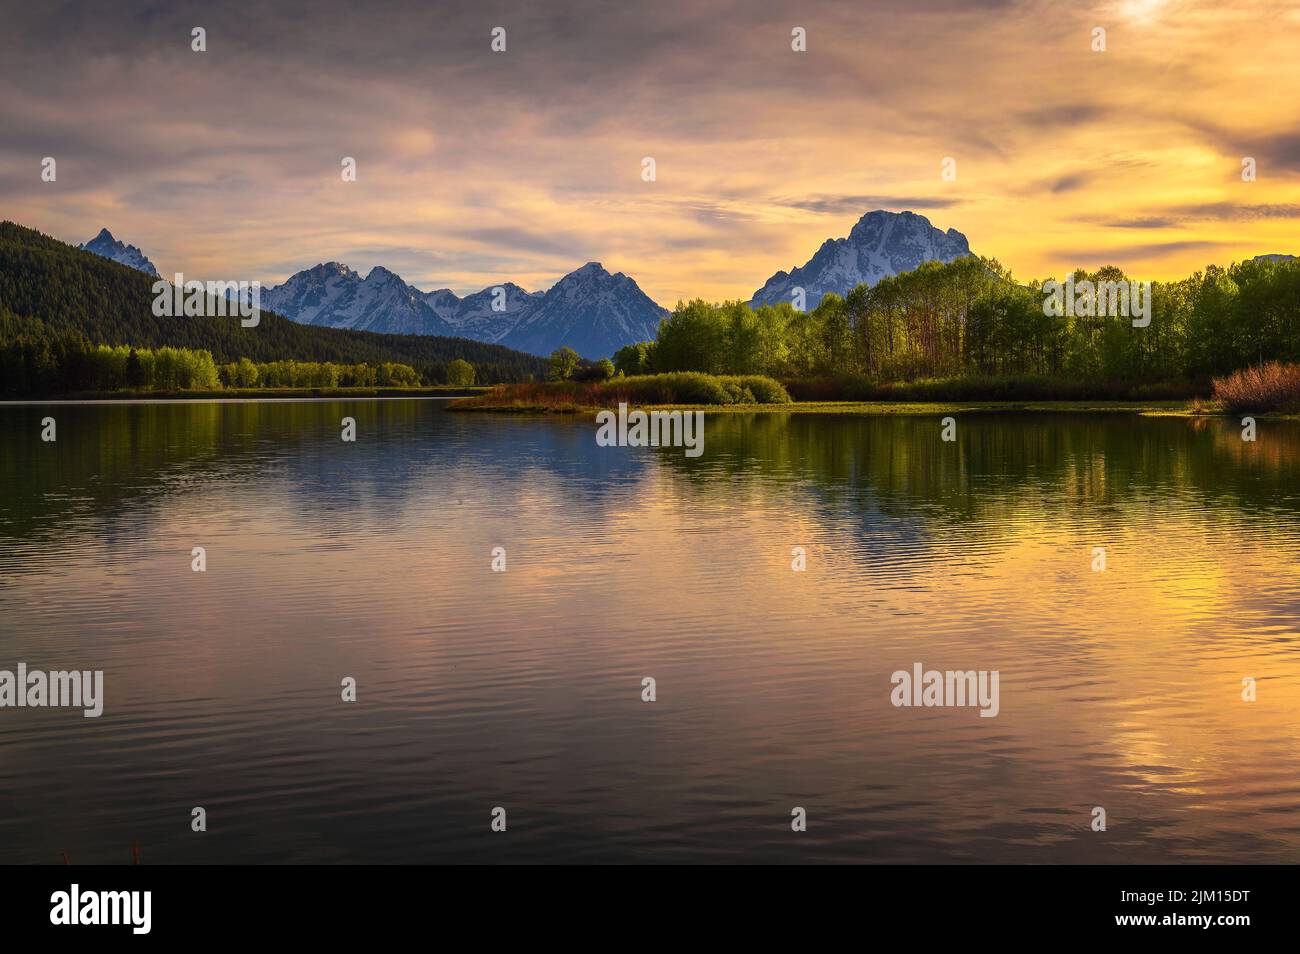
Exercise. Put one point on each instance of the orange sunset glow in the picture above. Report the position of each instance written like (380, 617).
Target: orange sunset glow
(474, 169)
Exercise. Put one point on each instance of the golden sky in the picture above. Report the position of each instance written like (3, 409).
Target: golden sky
(475, 167)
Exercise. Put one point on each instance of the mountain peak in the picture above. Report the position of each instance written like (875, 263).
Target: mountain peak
(589, 310)
(333, 295)
(105, 246)
(322, 272)
(880, 244)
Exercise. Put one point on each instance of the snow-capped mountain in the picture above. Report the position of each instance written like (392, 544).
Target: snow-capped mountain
(589, 310)
(487, 315)
(106, 246)
(333, 295)
(882, 243)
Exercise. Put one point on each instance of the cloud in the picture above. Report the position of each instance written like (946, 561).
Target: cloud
(523, 239)
(1141, 223)
(1129, 254)
(862, 204)
(1230, 211)
(474, 166)
(1071, 182)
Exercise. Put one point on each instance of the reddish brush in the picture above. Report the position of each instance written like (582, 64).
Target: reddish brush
(1269, 387)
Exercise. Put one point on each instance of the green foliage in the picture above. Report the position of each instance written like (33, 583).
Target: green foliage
(692, 338)
(968, 320)
(564, 361)
(964, 320)
(77, 365)
(57, 302)
(243, 374)
(634, 359)
(683, 387)
(460, 372)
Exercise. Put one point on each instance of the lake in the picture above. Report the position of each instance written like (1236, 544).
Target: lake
(1120, 688)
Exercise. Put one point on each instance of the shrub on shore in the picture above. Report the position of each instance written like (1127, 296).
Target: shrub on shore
(683, 387)
(1268, 387)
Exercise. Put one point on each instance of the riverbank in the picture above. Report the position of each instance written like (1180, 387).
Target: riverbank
(872, 407)
(458, 402)
(256, 394)
(1178, 408)
(900, 408)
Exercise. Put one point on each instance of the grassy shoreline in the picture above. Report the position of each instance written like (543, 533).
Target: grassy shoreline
(90, 397)
(1186, 409)
(458, 396)
(1180, 408)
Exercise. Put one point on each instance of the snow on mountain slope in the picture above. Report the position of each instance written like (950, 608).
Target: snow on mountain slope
(333, 295)
(106, 246)
(882, 243)
(475, 316)
(589, 310)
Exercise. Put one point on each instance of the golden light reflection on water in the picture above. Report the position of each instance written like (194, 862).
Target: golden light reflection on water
(1119, 688)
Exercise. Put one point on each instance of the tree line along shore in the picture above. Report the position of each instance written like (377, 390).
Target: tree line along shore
(965, 331)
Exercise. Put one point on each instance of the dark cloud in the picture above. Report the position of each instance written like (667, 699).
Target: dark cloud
(1152, 222)
(524, 239)
(1071, 182)
(1129, 253)
(1055, 117)
(862, 204)
(1280, 151)
(1231, 211)
(1277, 153)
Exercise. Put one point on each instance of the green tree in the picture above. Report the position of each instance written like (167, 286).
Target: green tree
(635, 359)
(564, 361)
(460, 372)
(134, 370)
(692, 338)
(245, 374)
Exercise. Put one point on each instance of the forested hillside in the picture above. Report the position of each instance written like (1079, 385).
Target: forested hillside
(57, 302)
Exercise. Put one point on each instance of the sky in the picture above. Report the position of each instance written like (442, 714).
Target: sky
(475, 167)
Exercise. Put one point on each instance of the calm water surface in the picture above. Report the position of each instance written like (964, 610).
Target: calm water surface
(522, 689)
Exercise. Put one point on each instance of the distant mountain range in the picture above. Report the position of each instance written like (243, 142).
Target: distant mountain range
(880, 245)
(52, 293)
(589, 310)
(332, 295)
(473, 316)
